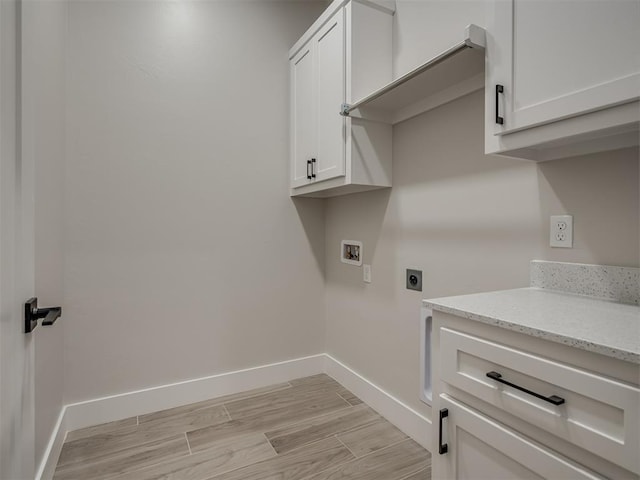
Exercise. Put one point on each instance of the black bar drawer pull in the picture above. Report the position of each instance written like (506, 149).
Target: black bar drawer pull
(313, 168)
(442, 448)
(554, 399)
(308, 174)
(499, 119)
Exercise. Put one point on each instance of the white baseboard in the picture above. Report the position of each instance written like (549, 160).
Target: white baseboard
(411, 422)
(51, 454)
(148, 400)
(117, 407)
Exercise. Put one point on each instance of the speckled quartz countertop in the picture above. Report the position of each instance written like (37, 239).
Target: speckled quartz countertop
(596, 325)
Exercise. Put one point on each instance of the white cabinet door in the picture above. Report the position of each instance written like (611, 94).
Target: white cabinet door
(331, 143)
(303, 115)
(558, 59)
(346, 156)
(481, 448)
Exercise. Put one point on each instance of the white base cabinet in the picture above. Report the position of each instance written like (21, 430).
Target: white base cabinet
(568, 65)
(345, 54)
(517, 406)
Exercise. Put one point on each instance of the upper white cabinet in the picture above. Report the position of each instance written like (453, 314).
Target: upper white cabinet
(562, 77)
(346, 53)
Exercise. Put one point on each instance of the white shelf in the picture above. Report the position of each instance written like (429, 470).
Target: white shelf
(455, 72)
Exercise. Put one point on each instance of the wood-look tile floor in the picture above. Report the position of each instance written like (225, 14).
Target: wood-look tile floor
(307, 429)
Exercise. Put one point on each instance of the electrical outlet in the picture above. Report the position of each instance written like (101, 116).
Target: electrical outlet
(366, 273)
(561, 231)
(414, 279)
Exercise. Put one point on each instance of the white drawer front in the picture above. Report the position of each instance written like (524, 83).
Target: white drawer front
(599, 414)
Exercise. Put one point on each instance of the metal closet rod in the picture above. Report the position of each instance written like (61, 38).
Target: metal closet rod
(474, 38)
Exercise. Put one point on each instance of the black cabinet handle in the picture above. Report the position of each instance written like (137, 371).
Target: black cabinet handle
(554, 399)
(308, 165)
(499, 119)
(313, 168)
(32, 314)
(442, 448)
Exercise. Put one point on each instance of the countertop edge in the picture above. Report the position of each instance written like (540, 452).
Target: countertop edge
(616, 353)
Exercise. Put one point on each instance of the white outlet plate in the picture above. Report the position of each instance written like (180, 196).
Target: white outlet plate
(561, 231)
(366, 273)
(351, 252)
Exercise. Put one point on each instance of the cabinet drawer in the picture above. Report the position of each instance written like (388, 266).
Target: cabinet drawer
(598, 414)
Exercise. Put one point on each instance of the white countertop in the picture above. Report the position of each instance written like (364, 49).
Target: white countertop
(600, 326)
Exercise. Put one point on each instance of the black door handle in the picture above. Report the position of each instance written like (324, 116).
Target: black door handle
(32, 314)
(308, 165)
(442, 448)
(554, 399)
(313, 167)
(499, 119)
(52, 314)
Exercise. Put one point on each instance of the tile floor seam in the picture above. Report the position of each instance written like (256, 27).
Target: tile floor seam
(343, 399)
(280, 456)
(333, 468)
(387, 447)
(310, 419)
(358, 427)
(347, 404)
(392, 445)
(227, 412)
(188, 445)
(264, 434)
(345, 446)
(344, 432)
(378, 450)
(357, 459)
(255, 395)
(288, 425)
(305, 445)
(319, 440)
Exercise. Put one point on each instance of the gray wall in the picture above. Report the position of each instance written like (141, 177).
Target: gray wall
(184, 255)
